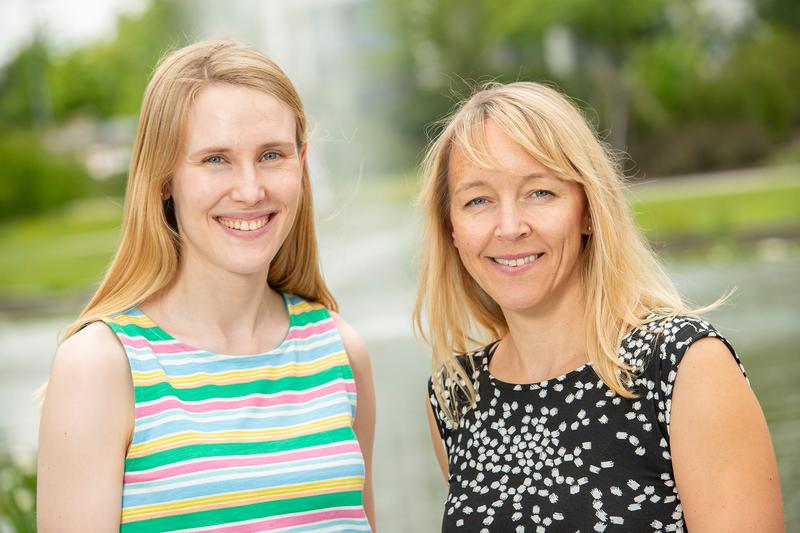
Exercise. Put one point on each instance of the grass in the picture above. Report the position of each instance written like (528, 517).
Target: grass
(62, 251)
(721, 214)
(66, 252)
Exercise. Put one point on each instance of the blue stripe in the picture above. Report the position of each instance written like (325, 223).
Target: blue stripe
(243, 423)
(199, 490)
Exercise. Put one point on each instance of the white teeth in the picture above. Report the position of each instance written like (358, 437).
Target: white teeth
(244, 225)
(516, 262)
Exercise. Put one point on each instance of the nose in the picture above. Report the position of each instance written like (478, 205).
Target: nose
(512, 224)
(248, 187)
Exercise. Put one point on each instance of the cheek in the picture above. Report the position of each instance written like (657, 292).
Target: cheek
(289, 189)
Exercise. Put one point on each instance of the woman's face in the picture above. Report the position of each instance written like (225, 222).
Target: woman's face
(518, 232)
(237, 184)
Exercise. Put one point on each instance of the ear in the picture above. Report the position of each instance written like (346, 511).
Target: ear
(166, 190)
(586, 225)
(302, 153)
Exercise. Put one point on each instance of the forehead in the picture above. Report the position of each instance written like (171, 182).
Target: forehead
(490, 154)
(223, 112)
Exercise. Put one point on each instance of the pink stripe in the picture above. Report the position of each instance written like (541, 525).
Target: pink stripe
(156, 346)
(316, 329)
(239, 461)
(304, 519)
(286, 398)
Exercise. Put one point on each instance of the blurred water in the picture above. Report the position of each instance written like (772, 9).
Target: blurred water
(369, 253)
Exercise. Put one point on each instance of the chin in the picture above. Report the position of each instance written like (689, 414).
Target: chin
(515, 302)
(248, 268)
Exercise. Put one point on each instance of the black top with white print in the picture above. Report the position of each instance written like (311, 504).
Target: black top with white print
(568, 454)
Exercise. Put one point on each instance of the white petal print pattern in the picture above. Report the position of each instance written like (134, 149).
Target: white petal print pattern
(567, 454)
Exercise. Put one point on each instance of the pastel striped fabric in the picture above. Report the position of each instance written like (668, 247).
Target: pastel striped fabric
(242, 443)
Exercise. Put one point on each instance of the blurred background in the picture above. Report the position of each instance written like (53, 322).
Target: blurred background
(702, 96)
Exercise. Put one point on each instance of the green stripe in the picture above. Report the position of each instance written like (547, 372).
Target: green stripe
(309, 317)
(245, 512)
(155, 334)
(196, 451)
(148, 393)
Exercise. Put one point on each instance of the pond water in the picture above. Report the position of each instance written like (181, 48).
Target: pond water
(369, 253)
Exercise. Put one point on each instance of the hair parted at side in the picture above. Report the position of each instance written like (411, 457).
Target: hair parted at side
(623, 279)
(149, 251)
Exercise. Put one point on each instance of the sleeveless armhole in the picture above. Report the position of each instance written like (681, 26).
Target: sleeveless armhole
(675, 337)
(316, 318)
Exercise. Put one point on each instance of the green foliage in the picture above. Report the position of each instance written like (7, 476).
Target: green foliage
(17, 495)
(41, 90)
(33, 179)
(102, 79)
(23, 98)
(670, 82)
(108, 79)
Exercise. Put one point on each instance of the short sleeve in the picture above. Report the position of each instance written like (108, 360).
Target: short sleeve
(438, 414)
(673, 339)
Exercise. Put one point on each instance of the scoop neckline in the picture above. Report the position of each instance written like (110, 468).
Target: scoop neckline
(488, 353)
(164, 335)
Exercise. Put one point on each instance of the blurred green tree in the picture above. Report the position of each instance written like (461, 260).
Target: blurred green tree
(42, 90)
(672, 82)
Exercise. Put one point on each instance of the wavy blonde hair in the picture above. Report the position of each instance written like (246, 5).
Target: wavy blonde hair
(147, 259)
(623, 279)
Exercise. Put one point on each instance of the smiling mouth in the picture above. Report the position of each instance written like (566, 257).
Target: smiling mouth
(246, 225)
(518, 261)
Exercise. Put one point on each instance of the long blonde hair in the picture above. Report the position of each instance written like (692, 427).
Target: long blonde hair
(147, 259)
(623, 279)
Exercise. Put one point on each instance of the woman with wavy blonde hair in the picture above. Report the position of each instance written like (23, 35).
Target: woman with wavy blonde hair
(556, 400)
(210, 384)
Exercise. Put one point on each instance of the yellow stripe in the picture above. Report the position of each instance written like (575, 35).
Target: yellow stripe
(125, 320)
(198, 437)
(154, 377)
(242, 498)
(303, 307)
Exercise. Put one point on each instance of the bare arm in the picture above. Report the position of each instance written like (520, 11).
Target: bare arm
(86, 424)
(436, 439)
(725, 467)
(364, 425)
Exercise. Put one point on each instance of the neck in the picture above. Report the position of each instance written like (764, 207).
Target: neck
(544, 342)
(233, 309)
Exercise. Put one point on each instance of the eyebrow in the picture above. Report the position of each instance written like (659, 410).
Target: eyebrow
(284, 145)
(481, 183)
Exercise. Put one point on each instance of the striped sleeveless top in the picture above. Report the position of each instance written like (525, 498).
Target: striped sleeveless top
(242, 443)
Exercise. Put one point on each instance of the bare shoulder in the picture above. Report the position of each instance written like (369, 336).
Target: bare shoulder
(354, 344)
(85, 428)
(90, 366)
(93, 353)
(710, 363)
(722, 455)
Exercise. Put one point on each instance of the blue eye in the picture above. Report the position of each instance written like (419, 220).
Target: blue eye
(215, 159)
(476, 202)
(541, 194)
(270, 156)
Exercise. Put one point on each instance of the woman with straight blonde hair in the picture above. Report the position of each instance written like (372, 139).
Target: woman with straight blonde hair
(210, 384)
(596, 398)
